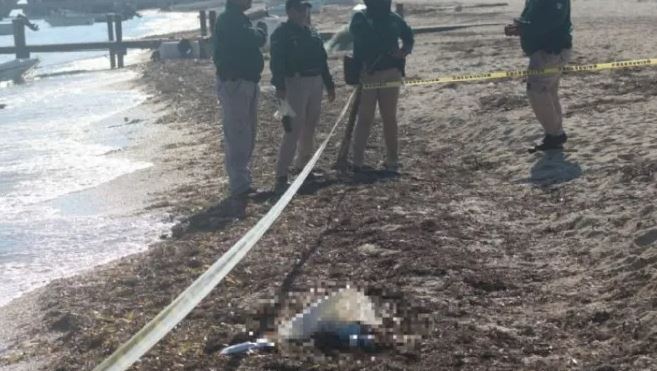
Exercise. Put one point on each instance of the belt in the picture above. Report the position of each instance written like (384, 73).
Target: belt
(307, 74)
(233, 79)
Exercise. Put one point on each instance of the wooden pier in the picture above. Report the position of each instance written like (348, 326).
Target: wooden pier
(115, 44)
(118, 48)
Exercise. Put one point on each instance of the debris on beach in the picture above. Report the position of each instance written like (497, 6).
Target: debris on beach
(247, 347)
(183, 49)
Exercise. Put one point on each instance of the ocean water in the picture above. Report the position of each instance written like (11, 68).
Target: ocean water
(55, 144)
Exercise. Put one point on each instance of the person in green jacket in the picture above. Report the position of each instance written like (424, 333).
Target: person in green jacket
(239, 63)
(376, 33)
(300, 73)
(545, 36)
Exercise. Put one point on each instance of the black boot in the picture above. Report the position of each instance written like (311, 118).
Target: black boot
(550, 142)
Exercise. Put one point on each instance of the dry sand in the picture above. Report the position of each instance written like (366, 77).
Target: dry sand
(497, 259)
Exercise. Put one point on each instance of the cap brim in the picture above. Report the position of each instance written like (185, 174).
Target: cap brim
(304, 4)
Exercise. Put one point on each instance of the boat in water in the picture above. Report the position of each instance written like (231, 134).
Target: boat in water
(14, 70)
(68, 18)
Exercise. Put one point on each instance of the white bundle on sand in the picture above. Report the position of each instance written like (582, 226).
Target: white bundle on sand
(330, 314)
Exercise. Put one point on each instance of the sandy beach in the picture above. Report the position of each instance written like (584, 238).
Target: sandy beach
(490, 258)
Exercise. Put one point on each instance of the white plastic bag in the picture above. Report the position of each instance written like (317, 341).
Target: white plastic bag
(284, 109)
(285, 114)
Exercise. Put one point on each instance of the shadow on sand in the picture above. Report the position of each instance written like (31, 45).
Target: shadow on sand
(553, 167)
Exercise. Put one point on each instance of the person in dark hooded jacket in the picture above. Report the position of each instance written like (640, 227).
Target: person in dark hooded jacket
(377, 32)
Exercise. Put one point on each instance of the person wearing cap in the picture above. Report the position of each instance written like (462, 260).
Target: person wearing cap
(239, 64)
(376, 32)
(300, 73)
(545, 36)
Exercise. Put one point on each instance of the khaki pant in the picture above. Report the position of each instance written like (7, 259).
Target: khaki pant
(387, 99)
(239, 101)
(542, 90)
(304, 94)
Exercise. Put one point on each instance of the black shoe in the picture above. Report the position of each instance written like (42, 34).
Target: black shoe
(281, 185)
(550, 142)
(391, 167)
(248, 193)
(360, 169)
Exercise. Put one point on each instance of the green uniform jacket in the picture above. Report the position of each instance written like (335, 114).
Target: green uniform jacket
(375, 39)
(545, 25)
(237, 46)
(298, 50)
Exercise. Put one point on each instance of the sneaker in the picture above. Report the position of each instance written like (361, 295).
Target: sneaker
(550, 142)
(234, 207)
(281, 185)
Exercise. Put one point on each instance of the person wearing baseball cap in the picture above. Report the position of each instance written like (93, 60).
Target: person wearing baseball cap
(300, 73)
(297, 4)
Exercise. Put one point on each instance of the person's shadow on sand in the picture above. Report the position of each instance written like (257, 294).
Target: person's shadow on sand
(553, 168)
(370, 176)
(221, 215)
(218, 216)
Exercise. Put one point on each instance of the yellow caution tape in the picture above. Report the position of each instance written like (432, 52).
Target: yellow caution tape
(513, 74)
(169, 317)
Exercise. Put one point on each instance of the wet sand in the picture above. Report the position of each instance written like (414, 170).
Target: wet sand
(491, 258)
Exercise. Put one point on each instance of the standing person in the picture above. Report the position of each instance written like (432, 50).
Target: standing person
(545, 36)
(300, 72)
(239, 63)
(376, 32)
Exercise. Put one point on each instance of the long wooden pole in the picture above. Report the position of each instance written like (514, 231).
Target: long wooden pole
(343, 152)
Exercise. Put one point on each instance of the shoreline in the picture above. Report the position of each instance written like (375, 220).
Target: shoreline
(132, 194)
(116, 198)
(496, 259)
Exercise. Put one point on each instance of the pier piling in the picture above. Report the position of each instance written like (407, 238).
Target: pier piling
(110, 37)
(213, 21)
(118, 28)
(204, 23)
(19, 39)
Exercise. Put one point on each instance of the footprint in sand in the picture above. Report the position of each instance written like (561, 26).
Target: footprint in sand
(647, 238)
